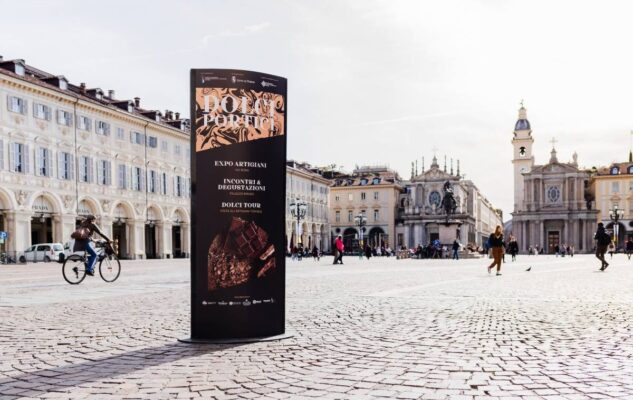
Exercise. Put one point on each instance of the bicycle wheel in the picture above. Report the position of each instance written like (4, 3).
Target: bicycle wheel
(74, 269)
(109, 268)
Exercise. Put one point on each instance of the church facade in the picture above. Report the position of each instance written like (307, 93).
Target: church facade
(422, 219)
(553, 205)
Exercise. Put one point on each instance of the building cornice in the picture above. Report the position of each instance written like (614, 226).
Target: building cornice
(56, 94)
(308, 175)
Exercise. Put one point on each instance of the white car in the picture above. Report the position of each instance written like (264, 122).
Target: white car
(70, 245)
(42, 252)
(68, 248)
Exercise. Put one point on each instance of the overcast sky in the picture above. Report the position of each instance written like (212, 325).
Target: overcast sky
(370, 82)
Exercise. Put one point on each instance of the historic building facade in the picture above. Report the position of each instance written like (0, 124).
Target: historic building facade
(68, 150)
(421, 218)
(305, 184)
(613, 190)
(371, 192)
(552, 202)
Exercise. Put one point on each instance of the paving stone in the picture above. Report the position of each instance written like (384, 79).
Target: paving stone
(383, 328)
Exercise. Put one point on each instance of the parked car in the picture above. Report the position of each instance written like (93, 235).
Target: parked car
(68, 249)
(42, 252)
(70, 245)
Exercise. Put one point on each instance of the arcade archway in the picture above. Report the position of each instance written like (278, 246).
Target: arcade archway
(121, 214)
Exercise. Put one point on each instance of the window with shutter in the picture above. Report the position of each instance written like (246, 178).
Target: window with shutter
(38, 161)
(121, 176)
(40, 167)
(41, 111)
(136, 183)
(82, 168)
(83, 123)
(60, 165)
(16, 104)
(12, 159)
(44, 163)
(103, 128)
(49, 163)
(27, 160)
(163, 187)
(108, 173)
(71, 166)
(179, 186)
(100, 173)
(64, 118)
(91, 167)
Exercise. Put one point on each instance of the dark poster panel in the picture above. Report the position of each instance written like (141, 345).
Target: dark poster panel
(238, 173)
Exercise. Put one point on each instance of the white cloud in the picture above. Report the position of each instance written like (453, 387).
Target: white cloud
(370, 82)
(244, 31)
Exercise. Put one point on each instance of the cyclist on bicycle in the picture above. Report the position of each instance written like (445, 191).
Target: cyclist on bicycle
(86, 244)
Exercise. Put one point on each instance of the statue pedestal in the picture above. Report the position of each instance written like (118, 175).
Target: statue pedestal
(448, 232)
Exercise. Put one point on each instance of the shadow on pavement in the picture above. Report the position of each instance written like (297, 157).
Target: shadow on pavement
(63, 379)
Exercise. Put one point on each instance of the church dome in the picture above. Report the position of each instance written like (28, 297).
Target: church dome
(522, 123)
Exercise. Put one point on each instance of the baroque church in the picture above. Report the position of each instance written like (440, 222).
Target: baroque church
(422, 219)
(552, 202)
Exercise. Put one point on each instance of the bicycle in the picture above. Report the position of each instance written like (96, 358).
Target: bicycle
(74, 267)
(6, 259)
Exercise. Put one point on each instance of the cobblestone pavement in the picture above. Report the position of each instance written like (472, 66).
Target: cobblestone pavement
(383, 328)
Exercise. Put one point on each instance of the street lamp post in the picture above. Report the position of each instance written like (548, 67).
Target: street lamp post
(361, 221)
(615, 214)
(298, 210)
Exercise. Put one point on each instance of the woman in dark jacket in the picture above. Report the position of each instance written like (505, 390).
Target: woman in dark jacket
(368, 251)
(513, 247)
(86, 244)
(497, 246)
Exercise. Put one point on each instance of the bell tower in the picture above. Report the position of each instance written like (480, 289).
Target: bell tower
(523, 159)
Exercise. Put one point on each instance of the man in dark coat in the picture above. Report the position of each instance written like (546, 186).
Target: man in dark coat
(602, 242)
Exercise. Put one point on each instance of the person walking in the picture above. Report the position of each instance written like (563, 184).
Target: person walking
(496, 245)
(340, 247)
(513, 247)
(455, 250)
(611, 249)
(368, 251)
(602, 243)
(300, 252)
(315, 253)
(83, 241)
(629, 248)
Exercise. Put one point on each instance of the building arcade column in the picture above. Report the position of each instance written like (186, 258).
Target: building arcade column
(167, 246)
(105, 224)
(136, 238)
(524, 239)
(541, 234)
(64, 226)
(19, 227)
(186, 239)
